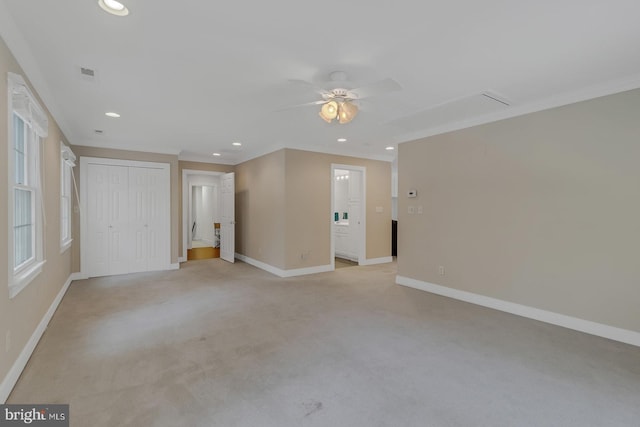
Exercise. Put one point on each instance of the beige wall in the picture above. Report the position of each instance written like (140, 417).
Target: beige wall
(260, 209)
(199, 166)
(83, 151)
(283, 208)
(21, 315)
(308, 207)
(541, 210)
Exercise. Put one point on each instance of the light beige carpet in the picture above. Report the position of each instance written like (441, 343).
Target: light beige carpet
(216, 344)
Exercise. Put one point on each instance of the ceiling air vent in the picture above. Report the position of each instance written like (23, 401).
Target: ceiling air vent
(87, 72)
(496, 98)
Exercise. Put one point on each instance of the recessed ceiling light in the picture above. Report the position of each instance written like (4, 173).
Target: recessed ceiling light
(342, 139)
(112, 114)
(113, 7)
(237, 144)
(217, 154)
(390, 148)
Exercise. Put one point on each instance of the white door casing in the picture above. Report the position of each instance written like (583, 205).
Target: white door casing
(190, 178)
(357, 212)
(227, 223)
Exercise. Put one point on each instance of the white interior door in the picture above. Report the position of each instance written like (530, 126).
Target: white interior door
(355, 214)
(158, 224)
(127, 225)
(119, 246)
(228, 220)
(98, 220)
(138, 214)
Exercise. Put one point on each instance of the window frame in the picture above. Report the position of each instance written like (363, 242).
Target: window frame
(67, 162)
(23, 104)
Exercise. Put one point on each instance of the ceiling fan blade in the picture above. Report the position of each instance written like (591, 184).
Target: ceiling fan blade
(306, 104)
(375, 89)
(309, 85)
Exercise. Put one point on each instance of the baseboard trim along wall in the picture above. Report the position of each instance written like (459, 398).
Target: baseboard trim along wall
(284, 273)
(12, 376)
(587, 326)
(78, 276)
(373, 261)
(175, 266)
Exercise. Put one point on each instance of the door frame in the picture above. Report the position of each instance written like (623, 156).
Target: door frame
(362, 241)
(84, 162)
(186, 203)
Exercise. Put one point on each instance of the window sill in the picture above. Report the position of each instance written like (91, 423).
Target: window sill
(21, 280)
(64, 246)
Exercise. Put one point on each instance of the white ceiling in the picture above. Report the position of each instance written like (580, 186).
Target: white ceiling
(191, 77)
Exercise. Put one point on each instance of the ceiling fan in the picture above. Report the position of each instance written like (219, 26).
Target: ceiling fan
(341, 103)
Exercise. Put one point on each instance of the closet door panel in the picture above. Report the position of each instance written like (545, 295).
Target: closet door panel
(158, 227)
(138, 217)
(119, 227)
(97, 250)
(127, 227)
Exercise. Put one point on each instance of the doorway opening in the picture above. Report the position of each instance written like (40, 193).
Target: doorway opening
(348, 215)
(207, 215)
(205, 223)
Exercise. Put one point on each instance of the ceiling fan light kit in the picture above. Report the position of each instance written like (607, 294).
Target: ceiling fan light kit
(343, 111)
(329, 111)
(346, 112)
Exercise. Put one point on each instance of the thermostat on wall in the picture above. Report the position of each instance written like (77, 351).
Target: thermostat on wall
(412, 193)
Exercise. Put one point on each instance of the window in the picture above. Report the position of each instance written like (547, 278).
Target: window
(27, 125)
(67, 162)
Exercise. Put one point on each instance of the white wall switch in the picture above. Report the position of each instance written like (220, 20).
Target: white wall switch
(419, 210)
(411, 210)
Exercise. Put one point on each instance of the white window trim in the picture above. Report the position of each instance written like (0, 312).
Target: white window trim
(30, 110)
(67, 160)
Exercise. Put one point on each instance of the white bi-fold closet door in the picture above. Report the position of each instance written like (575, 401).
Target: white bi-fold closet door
(126, 228)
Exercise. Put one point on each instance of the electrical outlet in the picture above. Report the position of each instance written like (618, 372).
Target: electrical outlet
(411, 210)
(441, 270)
(419, 210)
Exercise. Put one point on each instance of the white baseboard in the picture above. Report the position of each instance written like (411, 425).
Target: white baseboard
(78, 276)
(587, 326)
(373, 261)
(14, 373)
(182, 259)
(284, 273)
(175, 266)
